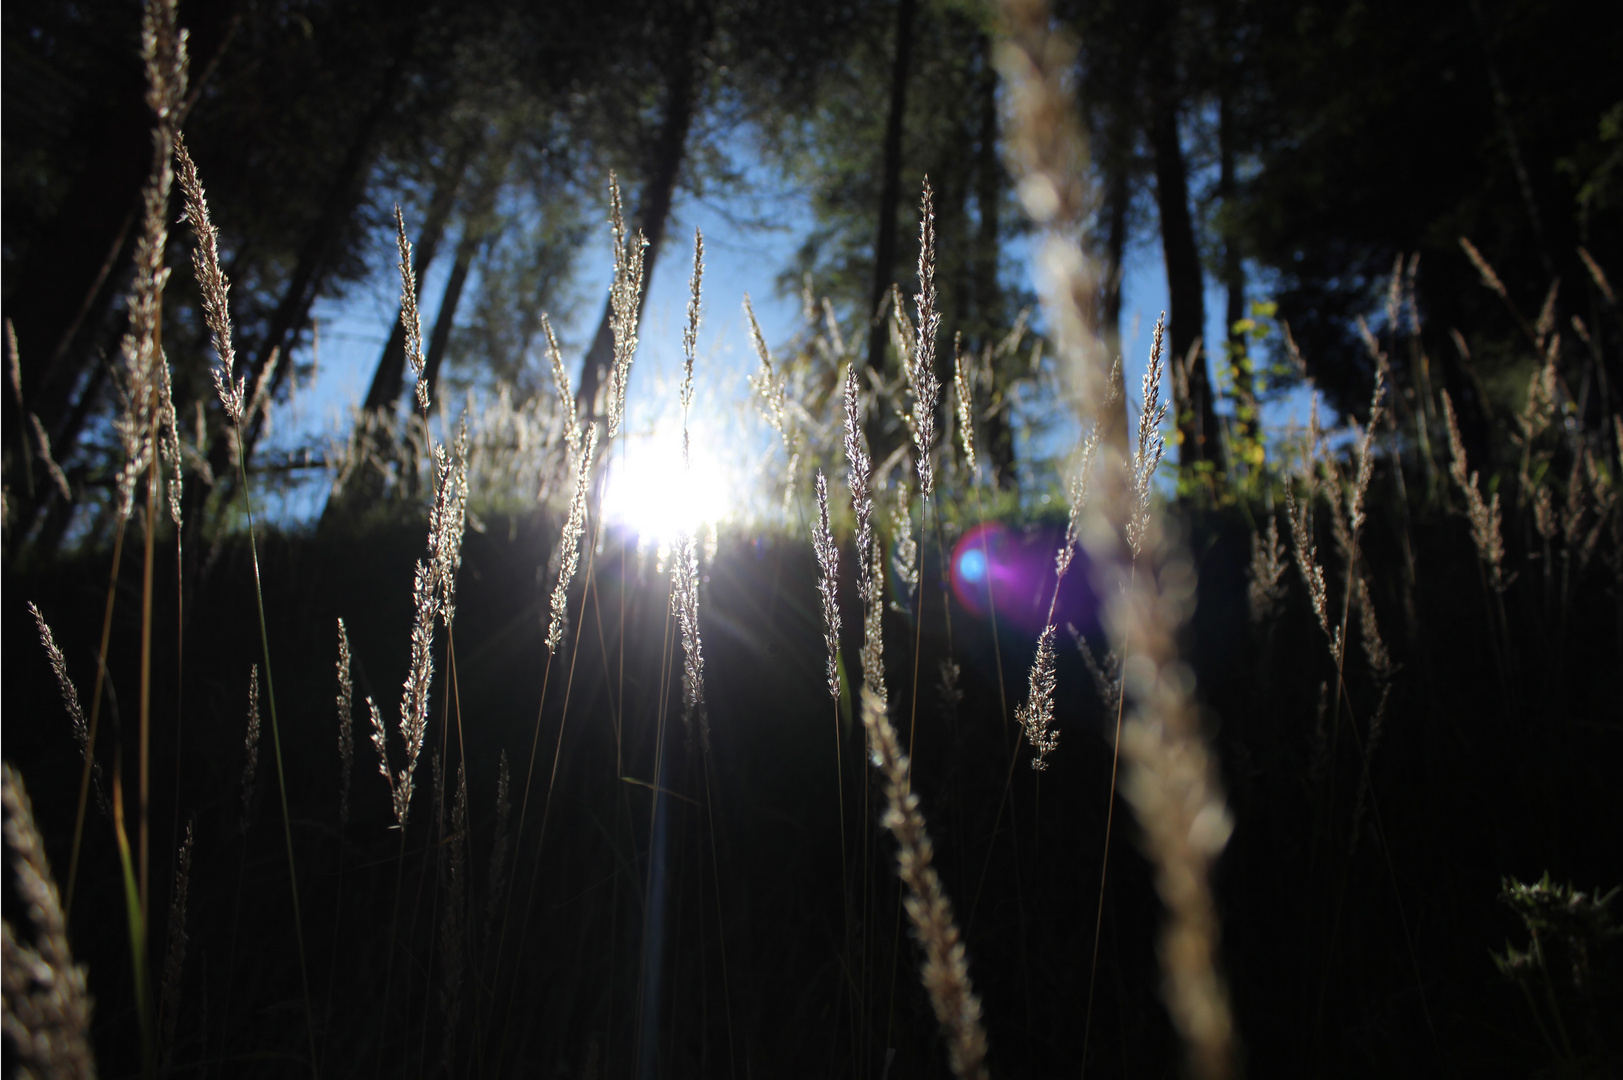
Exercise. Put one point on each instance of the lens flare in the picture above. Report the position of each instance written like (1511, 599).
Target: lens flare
(994, 569)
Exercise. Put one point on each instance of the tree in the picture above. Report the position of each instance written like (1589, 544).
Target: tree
(865, 240)
(79, 198)
(1388, 128)
(1198, 441)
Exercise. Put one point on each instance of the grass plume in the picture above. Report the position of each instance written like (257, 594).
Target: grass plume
(46, 1004)
(945, 970)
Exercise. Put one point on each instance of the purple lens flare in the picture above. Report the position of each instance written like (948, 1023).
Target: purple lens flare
(996, 569)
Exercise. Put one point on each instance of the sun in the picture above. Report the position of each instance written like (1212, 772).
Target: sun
(650, 493)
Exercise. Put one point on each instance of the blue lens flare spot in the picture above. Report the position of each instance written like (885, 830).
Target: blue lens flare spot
(995, 570)
(972, 565)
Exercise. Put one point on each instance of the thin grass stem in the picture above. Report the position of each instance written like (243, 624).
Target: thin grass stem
(281, 779)
(95, 716)
(1104, 858)
(136, 922)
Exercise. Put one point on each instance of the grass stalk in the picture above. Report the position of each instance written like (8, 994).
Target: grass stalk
(1104, 858)
(136, 922)
(721, 924)
(144, 792)
(535, 867)
(95, 716)
(281, 778)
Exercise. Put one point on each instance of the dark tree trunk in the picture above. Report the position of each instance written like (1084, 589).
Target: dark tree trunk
(445, 318)
(1233, 273)
(1118, 202)
(654, 204)
(988, 197)
(1197, 420)
(389, 378)
(996, 434)
(890, 189)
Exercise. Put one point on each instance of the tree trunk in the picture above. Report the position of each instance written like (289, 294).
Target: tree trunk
(388, 380)
(654, 207)
(1233, 274)
(890, 189)
(1118, 202)
(445, 318)
(1197, 420)
(997, 438)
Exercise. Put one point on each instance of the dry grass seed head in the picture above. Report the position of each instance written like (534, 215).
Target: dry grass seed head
(380, 740)
(963, 384)
(1484, 516)
(905, 549)
(14, 368)
(1394, 298)
(560, 383)
(1598, 276)
(828, 563)
(59, 668)
(921, 360)
(1489, 278)
(168, 444)
(1078, 503)
(1544, 513)
(46, 1014)
(1106, 675)
(250, 745)
(1268, 563)
(772, 387)
(945, 970)
(410, 320)
(685, 606)
(42, 442)
(1151, 446)
(213, 287)
(346, 726)
(163, 55)
(625, 305)
(1307, 561)
(690, 341)
(1366, 458)
(873, 637)
(1546, 315)
(1036, 716)
(569, 542)
(1572, 514)
(448, 520)
(1381, 665)
(859, 476)
(1539, 411)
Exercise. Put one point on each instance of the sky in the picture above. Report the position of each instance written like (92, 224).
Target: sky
(734, 451)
